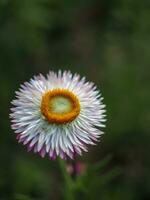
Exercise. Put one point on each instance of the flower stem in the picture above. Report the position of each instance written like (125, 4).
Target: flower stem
(68, 192)
(74, 167)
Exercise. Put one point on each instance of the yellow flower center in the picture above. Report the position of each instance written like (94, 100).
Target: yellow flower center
(60, 106)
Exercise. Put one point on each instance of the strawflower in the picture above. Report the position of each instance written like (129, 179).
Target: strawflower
(58, 115)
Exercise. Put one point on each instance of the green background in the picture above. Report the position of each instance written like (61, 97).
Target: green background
(109, 43)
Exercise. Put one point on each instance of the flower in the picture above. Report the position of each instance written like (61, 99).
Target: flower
(58, 115)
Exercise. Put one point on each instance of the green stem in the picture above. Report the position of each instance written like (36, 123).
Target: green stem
(68, 192)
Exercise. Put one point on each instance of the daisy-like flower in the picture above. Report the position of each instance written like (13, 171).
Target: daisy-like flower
(58, 115)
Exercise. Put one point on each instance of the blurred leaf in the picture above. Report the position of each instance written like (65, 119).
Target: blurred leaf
(22, 197)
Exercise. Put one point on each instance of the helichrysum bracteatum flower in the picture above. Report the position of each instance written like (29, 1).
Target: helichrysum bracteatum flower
(58, 115)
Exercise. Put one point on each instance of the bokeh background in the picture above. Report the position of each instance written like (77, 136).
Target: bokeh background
(109, 43)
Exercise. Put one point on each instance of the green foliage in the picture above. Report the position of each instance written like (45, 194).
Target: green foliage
(107, 41)
(93, 180)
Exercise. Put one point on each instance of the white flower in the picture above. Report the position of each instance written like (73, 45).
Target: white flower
(58, 115)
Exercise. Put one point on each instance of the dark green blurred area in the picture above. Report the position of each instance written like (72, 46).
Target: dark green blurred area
(109, 43)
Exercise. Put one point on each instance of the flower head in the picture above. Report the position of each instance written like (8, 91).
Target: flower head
(58, 115)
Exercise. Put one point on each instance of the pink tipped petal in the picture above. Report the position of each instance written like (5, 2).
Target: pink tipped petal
(67, 139)
(42, 152)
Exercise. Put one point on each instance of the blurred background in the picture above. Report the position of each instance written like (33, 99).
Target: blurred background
(109, 43)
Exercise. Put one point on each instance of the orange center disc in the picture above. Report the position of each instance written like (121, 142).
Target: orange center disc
(60, 106)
